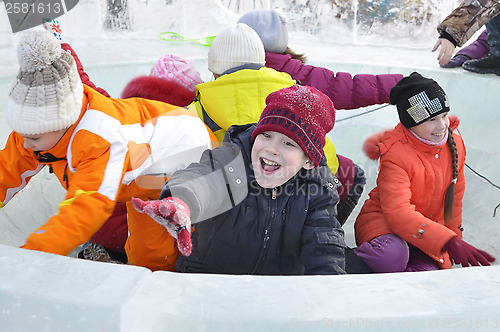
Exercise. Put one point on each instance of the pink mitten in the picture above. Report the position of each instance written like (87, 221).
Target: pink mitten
(463, 253)
(173, 214)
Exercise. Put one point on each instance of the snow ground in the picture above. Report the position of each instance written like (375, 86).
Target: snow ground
(52, 293)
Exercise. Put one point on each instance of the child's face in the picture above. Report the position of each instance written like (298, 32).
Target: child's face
(43, 142)
(276, 158)
(433, 129)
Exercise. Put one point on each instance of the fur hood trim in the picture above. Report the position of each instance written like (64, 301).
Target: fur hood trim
(373, 144)
(155, 88)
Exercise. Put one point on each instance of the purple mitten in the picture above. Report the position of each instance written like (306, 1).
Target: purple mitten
(463, 253)
(456, 61)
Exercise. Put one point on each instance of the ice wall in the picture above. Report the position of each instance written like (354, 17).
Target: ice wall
(44, 292)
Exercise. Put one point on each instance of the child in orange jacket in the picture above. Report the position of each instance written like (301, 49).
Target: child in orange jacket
(412, 220)
(172, 80)
(102, 150)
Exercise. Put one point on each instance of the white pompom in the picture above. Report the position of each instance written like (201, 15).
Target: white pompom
(37, 49)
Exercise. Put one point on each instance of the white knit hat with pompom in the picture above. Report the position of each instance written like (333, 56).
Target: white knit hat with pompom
(48, 93)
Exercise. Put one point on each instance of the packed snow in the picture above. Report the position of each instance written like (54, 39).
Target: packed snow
(44, 292)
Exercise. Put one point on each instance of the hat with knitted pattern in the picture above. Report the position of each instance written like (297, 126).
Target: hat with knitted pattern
(48, 92)
(173, 67)
(418, 99)
(302, 113)
(235, 46)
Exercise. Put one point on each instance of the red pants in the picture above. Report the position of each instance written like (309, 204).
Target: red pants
(114, 232)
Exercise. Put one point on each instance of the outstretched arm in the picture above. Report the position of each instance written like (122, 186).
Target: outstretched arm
(200, 191)
(465, 20)
(345, 90)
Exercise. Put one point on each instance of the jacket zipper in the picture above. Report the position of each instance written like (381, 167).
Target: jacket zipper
(267, 232)
(65, 176)
(283, 223)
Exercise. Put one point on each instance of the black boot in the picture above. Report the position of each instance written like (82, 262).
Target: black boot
(354, 264)
(489, 64)
(96, 252)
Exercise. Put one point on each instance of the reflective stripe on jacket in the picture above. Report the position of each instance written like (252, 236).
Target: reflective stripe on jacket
(115, 150)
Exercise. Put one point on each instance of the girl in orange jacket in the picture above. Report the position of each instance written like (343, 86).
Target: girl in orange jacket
(102, 150)
(412, 220)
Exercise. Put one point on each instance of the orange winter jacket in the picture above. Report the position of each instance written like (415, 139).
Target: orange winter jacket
(110, 154)
(408, 200)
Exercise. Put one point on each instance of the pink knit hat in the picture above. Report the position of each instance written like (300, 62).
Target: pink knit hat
(172, 67)
(172, 80)
(302, 113)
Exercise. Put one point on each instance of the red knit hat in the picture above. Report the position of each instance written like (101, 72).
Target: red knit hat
(302, 113)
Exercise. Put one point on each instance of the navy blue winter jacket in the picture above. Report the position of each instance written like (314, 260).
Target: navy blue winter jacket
(288, 230)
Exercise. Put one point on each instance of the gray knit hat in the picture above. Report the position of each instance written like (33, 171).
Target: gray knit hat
(270, 27)
(235, 46)
(48, 93)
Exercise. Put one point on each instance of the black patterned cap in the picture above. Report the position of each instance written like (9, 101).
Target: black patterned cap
(418, 99)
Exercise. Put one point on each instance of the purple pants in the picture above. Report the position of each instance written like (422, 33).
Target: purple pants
(389, 253)
(478, 48)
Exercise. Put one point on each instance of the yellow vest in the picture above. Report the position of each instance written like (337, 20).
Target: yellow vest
(238, 98)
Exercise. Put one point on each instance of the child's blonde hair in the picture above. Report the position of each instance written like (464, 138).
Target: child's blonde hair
(299, 56)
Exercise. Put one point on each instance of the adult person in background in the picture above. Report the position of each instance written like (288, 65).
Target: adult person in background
(463, 22)
(475, 50)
